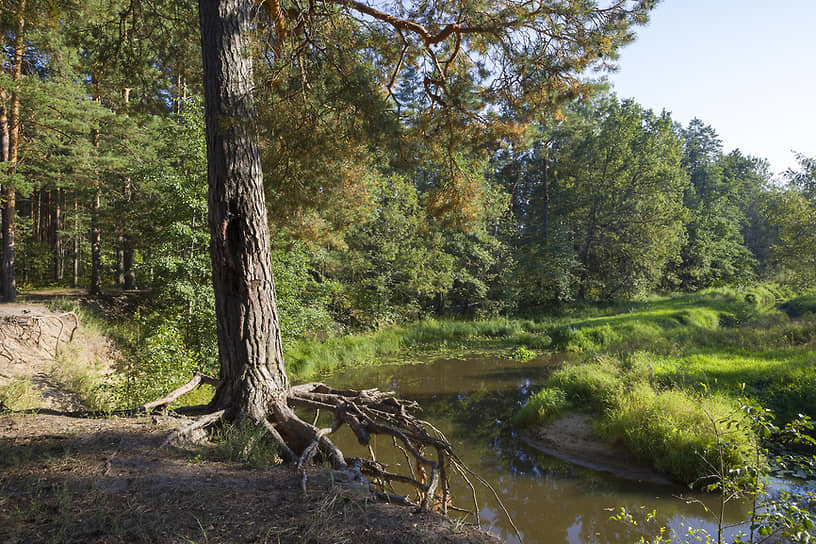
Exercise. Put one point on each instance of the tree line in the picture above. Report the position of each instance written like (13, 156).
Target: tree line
(386, 206)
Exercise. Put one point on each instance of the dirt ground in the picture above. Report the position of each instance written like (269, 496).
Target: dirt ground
(103, 480)
(73, 480)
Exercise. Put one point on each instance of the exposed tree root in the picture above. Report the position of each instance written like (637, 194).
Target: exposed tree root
(27, 328)
(367, 413)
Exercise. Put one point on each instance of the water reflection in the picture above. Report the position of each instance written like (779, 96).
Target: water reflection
(550, 500)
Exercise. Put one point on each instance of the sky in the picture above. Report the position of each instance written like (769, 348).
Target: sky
(745, 67)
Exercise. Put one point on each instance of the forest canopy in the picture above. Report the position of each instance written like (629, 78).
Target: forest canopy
(416, 162)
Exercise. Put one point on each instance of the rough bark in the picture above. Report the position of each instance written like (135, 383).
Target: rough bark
(9, 213)
(127, 276)
(120, 261)
(56, 238)
(4, 157)
(96, 246)
(75, 255)
(9, 209)
(96, 237)
(252, 377)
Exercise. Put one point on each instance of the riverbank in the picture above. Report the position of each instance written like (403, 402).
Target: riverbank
(80, 480)
(69, 478)
(672, 380)
(657, 376)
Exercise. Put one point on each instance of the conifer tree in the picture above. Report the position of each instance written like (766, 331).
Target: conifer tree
(521, 53)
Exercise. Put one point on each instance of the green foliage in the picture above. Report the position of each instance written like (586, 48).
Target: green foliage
(791, 211)
(245, 442)
(542, 407)
(800, 306)
(723, 196)
(624, 184)
(161, 361)
(522, 353)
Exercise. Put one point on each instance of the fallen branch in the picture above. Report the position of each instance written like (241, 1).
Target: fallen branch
(164, 402)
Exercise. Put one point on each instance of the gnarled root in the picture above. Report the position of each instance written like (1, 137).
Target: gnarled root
(367, 413)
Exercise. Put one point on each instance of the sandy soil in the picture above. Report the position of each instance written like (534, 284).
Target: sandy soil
(571, 438)
(90, 480)
(34, 341)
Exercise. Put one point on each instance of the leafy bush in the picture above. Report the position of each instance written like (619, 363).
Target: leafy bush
(161, 362)
(522, 354)
(800, 306)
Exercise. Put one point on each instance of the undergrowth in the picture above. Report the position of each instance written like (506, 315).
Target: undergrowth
(20, 394)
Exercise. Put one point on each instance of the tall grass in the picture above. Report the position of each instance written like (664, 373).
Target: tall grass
(308, 358)
(662, 377)
(679, 432)
(20, 394)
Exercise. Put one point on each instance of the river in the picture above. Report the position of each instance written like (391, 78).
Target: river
(551, 501)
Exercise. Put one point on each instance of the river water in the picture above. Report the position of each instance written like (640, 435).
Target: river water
(551, 501)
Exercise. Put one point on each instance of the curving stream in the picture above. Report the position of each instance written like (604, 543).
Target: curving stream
(471, 400)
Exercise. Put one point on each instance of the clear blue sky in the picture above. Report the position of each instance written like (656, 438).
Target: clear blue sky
(745, 67)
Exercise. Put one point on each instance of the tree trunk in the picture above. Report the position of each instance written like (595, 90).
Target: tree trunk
(120, 261)
(127, 276)
(9, 210)
(96, 239)
(545, 219)
(130, 274)
(75, 256)
(56, 238)
(9, 281)
(96, 245)
(252, 376)
(4, 157)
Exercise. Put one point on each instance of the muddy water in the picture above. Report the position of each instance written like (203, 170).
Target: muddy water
(551, 501)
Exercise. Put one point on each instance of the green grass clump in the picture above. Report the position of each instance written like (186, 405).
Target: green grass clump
(700, 318)
(681, 434)
(542, 407)
(309, 357)
(593, 386)
(247, 443)
(20, 394)
(800, 306)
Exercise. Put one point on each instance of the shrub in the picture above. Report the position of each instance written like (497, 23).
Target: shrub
(523, 354)
(800, 306)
